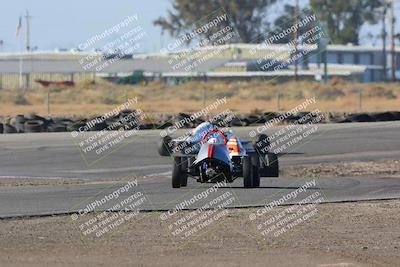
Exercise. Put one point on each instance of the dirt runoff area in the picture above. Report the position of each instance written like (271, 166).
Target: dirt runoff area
(345, 234)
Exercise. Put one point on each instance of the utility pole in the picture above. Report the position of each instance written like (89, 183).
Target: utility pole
(296, 52)
(392, 41)
(28, 32)
(384, 43)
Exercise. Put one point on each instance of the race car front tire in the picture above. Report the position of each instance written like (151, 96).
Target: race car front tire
(184, 170)
(262, 144)
(269, 165)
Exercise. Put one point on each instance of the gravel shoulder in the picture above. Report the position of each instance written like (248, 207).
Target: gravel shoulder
(346, 234)
(342, 169)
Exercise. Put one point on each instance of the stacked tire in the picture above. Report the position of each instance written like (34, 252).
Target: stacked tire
(33, 126)
(19, 123)
(9, 129)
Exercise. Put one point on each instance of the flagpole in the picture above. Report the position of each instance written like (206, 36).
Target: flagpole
(19, 26)
(20, 69)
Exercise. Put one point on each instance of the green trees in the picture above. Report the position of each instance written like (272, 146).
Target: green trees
(247, 17)
(344, 18)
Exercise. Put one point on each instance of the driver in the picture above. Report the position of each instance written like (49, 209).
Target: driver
(201, 130)
(234, 144)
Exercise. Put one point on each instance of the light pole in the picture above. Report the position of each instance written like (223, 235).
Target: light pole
(295, 34)
(392, 41)
(384, 42)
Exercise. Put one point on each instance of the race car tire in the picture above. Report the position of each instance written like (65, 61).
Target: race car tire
(255, 166)
(262, 144)
(163, 147)
(184, 170)
(177, 172)
(269, 165)
(193, 170)
(247, 172)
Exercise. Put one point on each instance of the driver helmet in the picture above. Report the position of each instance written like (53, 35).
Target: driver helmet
(201, 130)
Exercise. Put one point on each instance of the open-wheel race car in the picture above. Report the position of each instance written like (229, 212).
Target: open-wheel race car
(209, 154)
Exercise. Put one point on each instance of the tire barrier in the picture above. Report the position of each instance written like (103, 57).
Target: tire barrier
(76, 126)
(56, 128)
(385, 116)
(96, 124)
(33, 126)
(19, 123)
(127, 119)
(360, 118)
(9, 129)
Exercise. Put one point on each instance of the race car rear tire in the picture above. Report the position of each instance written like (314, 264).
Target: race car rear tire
(247, 172)
(194, 171)
(163, 147)
(255, 166)
(177, 172)
(269, 165)
(262, 144)
(184, 170)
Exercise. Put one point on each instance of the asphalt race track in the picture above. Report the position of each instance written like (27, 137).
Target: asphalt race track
(55, 155)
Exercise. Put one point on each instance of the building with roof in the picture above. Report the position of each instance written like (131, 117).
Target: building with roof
(229, 62)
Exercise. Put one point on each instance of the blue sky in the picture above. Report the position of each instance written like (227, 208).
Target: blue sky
(66, 24)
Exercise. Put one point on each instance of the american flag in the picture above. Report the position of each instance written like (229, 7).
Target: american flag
(19, 26)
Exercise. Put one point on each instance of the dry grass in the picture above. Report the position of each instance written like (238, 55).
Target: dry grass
(90, 99)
